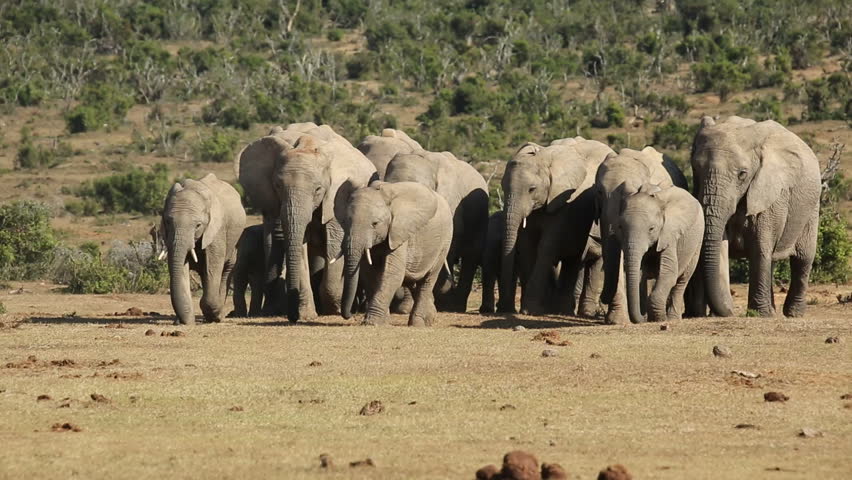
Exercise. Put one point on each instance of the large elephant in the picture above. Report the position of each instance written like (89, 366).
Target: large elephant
(404, 230)
(295, 176)
(466, 192)
(381, 149)
(660, 231)
(554, 181)
(202, 221)
(618, 176)
(759, 185)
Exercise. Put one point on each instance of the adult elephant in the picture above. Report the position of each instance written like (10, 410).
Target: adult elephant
(618, 177)
(201, 224)
(466, 192)
(295, 176)
(759, 186)
(550, 181)
(381, 149)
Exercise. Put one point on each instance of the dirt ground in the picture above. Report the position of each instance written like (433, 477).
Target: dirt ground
(260, 398)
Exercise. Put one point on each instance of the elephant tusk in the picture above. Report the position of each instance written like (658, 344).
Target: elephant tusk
(447, 266)
(369, 258)
(525, 223)
(331, 262)
(162, 254)
(194, 257)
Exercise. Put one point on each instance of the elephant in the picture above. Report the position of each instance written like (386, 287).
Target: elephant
(759, 186)
(466, 192)
(618, 176)
(553, 182)
(660, 231)
(249, 270)
(201, 223)
(381, 149)
(295, 176)
(404, 230)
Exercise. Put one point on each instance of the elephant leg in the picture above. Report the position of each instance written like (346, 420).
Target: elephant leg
(331, 289)
(675, 307)
(617, 309)
(663, 288)
(403, 301)
(569, 277)
(240, 281)
(462, 291)
(256, 306)
(489, 280)
(307, 308)
(424, 312)
(211, 279)
(695, 304)
(389, 281)
(592, 287)
(538, 287)
(800, 270)
(760, 276)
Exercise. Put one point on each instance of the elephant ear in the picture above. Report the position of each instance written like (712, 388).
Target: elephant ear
(675, 220)
(412, 206)
(567, 176)
(216, 212)
(781, 159)
(528, 149)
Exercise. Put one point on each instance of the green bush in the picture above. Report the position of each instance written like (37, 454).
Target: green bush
(227, 112)
(834, 249)
(335, 35)
(127, 268)
(720, 76)
(136, 191)
(101, 105)
(674, 134)
(26, 240)
(31, 155)
(764, 108)
(219, 146)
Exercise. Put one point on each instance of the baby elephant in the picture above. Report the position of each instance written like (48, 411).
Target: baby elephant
(398, 234)
(250, 270)
(660, 231)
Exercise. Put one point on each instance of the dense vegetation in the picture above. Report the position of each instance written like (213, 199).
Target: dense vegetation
(481, 76)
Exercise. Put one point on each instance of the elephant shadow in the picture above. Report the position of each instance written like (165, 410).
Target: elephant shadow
(509, 321)
(73, 319)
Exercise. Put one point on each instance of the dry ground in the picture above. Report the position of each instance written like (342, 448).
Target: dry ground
(242, 399)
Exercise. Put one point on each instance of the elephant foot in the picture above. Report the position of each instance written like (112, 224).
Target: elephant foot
(588, 312)
(375, 321)
(423, 317)
(616, 318)
(235, 314)
(795, 311)
(766, 312)
(486, 309)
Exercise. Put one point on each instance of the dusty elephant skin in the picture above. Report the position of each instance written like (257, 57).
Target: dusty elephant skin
(466, 193)
(759, 185)
(297, 177)
(380, 149)
(249, 270)
(400, 234)
(202, 221)
(553, 183)
(660, 231)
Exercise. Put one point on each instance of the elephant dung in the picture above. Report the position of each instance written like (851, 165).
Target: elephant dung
(372, 408)
(722, 351)
(775, 397)
(615, 472)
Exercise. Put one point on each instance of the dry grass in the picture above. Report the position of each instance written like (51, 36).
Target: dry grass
(657, 401)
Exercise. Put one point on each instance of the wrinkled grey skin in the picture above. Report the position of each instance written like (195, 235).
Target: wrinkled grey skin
(588, 287)
(465, 191)
(297, 176)
(206, 216)
(618, 176)
(407, 229)
(759, 186)
(381, 149)
(548, 180)
(250, 270)
(660, 231)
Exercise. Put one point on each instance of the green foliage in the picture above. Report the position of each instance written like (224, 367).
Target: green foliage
(674, 134)
(227, 112)
(126, 268)
(334, 35)
(31, 155)
(101, 105)
(26, 240)
(834, 249)
(2, 308)
(763, 108)
(721, 76)
(219, 146)
(137, 191)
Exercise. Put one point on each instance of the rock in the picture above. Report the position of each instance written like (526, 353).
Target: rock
(615, 472)
(236, 408)
(809, 433)
(65, 427)
(722, 351)
(553, 471)
(325, 461)
(372, 408)
(315, 363)
(42, 398)
(548, 353)
(97, 397)
(150, 333)
(176, 333)
(508, 406)
(664, 327)
(745, 374)
(367, 462)
(517, 328)
(746, 426)
(775, 397)
(595, 355)
(832, 340)
(846, 396)
(543, 336)
(520, 465)
(488, 472)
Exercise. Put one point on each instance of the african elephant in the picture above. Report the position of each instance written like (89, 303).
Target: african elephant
(618, 176)
(465, 191)
(295, 176)
(660, 231)
(404, 230)
(759, 185)
(381, 149)
(250, 270)
(553, 181)
(202, 221)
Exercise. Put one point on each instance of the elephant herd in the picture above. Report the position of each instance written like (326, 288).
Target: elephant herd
(391, 227)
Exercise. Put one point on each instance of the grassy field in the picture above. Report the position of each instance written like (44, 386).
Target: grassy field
(259, 398)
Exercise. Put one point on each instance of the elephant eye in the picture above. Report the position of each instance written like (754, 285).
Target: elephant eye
(742, 174)
(532, 189)
(318, 190)
(375, 222)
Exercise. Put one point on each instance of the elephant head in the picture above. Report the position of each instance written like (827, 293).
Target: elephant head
(192, 217)
(382, 213)
(381, 149)
(643, 224)
(739, 166)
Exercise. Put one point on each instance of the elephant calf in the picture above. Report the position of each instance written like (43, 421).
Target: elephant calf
(250, 270)
(671, 220)
(403, 230)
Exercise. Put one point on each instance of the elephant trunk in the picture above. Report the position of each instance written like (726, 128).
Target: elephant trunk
(179, 280)
(633, 254)
(716, 297)
(351, 273)
(295, 219)
(612, 267)
(514, 217)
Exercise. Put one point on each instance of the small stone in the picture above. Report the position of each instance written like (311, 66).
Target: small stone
(548, 353)
(325, 461)
(488, 472)
(520, 465)
(372, 408)
(810, 433)
(664, 327)
(65, 427)
(722, 351)
(236, 408)
(150, 333)
(97, 397)
(846, 396)
(368, 462)
(595, 355)
(615, 472)
(517, 328)
(508, 406)
(553, 471)
(315, 363)
(832, 340)
(746, 426)
(42, 398)
(775, 397)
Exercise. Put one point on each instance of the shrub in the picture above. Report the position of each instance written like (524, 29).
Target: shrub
(136, 191)
(31, 155)
(720, 76)
(673, 134)
(834, 249)
(101, 104)
(613, 117)
(219, 146)
(127, 268)
(335, 35)
(227, 112)
(26, 240)
(2, 308)
(760, 109)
